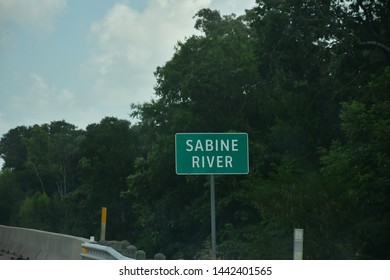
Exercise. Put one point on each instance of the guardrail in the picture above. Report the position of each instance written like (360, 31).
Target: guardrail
(114, 250)
(94, 251)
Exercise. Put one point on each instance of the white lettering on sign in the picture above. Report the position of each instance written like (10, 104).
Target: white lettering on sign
(212, 161)
(228, 145)
(189, 146)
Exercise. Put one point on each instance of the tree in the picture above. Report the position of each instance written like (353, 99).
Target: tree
(33, 212)
(107, 154)
(10, 196)
(12, 149)
(65, 140)
(207, 82)
(14, 154)
(358, 166)
(38, 158)
(294, 89)
(52, 151)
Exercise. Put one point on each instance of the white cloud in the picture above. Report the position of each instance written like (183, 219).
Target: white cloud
(42, 102)
(31, 14)
(131, 44)
(232, 6)
(138, 37)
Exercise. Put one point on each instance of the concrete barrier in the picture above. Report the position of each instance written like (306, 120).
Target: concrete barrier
(40, 245)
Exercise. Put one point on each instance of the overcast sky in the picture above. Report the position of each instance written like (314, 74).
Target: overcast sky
(80, 61)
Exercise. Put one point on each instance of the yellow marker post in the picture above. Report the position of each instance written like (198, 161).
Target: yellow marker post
(103, 224)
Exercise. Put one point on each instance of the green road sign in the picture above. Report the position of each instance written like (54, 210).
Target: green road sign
(211, 153)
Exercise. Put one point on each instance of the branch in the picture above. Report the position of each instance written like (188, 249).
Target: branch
(37, 174)
(376, 44)
(60, 190)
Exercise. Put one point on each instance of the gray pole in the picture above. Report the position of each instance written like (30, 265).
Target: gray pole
(213, 228)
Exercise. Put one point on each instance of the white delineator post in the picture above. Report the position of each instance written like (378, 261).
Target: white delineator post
(298, 244)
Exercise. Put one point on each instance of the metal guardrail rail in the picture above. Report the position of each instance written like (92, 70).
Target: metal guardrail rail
(94, 251)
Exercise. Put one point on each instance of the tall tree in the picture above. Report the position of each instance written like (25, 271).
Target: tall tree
(359, 167)
(10, 196)
(52, 156)
(65, 140)
(107, 155)
(14, 154)
(206, 84)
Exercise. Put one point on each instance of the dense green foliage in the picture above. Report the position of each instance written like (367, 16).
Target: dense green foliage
(309, 81)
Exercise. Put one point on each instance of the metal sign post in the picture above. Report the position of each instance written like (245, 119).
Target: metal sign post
(213, 227)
